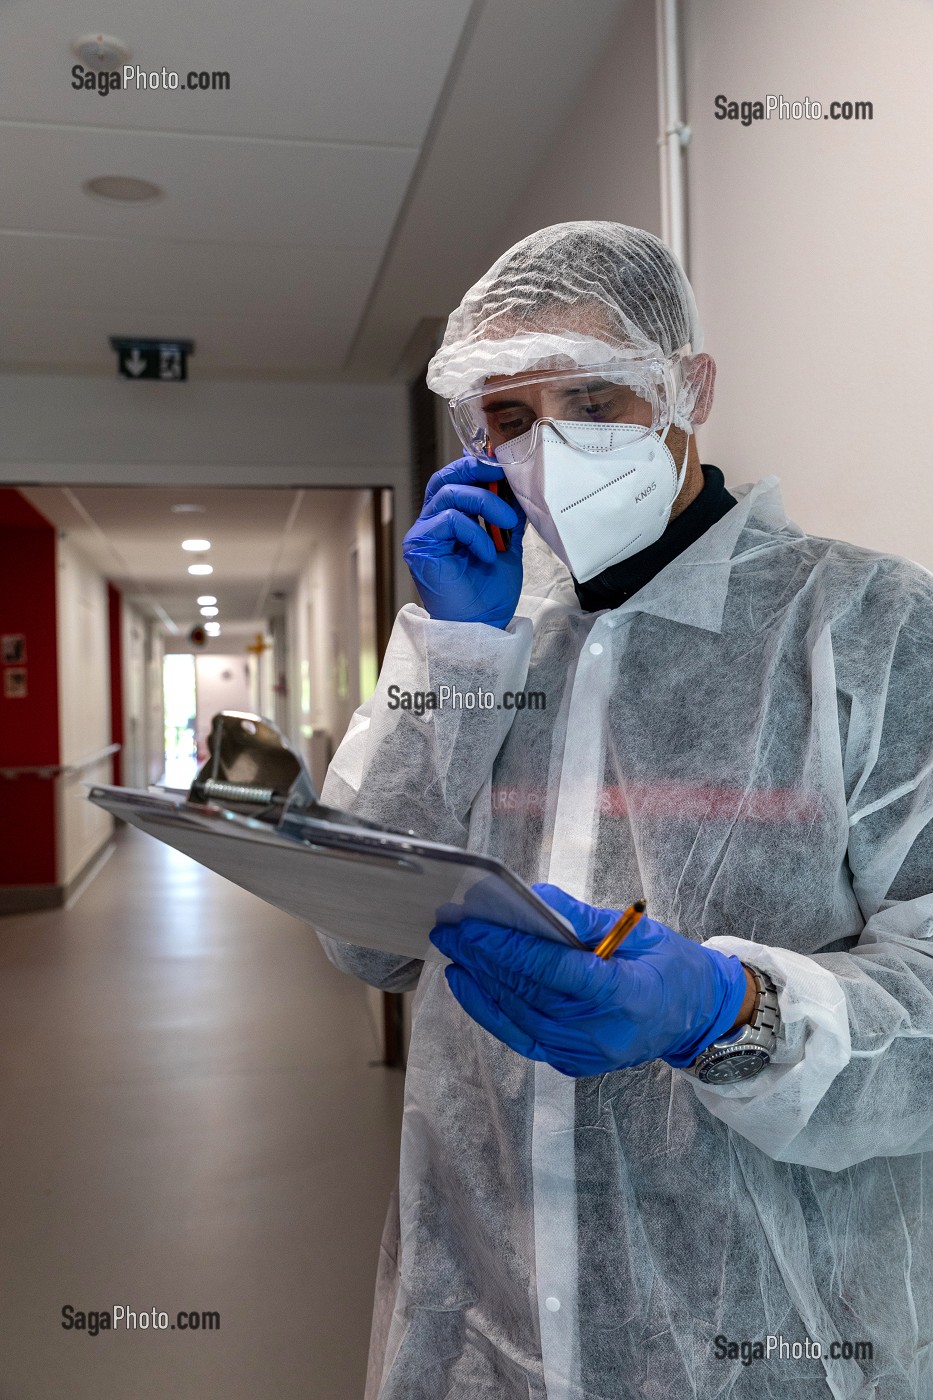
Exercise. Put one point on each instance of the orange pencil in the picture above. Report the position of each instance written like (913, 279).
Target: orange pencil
(620, 929)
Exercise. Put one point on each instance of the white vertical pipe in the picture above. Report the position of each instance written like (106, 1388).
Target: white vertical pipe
(673, 135)
(660, 75)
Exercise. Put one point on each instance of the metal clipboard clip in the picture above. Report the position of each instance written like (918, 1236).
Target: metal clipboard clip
(253, 770)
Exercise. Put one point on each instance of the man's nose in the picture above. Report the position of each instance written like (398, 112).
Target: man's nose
(546, 405)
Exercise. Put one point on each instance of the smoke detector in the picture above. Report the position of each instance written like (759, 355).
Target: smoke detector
(101, 51)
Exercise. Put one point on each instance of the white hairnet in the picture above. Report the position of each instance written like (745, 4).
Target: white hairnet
(570, 296)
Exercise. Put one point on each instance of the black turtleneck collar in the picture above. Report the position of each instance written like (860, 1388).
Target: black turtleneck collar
(614, 585)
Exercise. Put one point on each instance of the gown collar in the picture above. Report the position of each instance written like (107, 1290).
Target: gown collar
(693, 587)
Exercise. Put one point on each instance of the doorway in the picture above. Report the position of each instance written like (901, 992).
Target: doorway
(179, 702)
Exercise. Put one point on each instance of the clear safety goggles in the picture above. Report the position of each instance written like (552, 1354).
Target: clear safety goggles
(640, 393)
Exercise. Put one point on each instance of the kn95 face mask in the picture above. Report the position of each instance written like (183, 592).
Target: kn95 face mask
(594, 505)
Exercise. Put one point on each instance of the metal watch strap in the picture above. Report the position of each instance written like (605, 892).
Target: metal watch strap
(747, 1051)
(765, 1020)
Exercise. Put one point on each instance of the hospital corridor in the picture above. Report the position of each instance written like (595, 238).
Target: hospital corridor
(466, 737)
(195, 1118)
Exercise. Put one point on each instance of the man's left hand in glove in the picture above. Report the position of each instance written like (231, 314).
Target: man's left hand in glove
(659, 996)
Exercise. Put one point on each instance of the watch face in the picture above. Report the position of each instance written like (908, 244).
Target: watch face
(729, 1068)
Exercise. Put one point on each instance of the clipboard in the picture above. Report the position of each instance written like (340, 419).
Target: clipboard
(353, 880)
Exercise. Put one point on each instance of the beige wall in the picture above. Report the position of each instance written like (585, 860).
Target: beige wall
(84, 706)
(155, 708)
(332, 642)
(332, 628)
(134, 631)
(812, 243)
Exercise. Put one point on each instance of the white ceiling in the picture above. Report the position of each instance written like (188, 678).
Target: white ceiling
(280, 194)
(313, 70)
(260, 539)
(345, 190)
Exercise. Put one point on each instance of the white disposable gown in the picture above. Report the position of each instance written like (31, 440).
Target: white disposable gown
(748, 744)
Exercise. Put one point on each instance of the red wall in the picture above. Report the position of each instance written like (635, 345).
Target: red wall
(115, 619)
(28, 727)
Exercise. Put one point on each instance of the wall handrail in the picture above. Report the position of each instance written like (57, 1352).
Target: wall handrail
(61, 770)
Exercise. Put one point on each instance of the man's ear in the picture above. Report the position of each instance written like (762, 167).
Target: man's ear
(700, 375)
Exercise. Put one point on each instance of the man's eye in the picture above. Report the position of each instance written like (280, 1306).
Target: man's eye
(510, 424)
(612, 405)
(597, 407)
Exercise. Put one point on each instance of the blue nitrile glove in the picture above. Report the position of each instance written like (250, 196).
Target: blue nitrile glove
(660, 996)
(457, 571)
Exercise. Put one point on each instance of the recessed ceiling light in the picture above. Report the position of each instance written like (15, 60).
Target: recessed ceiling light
(212, 629)
(206, 599)
(101, 51)
(186, 509)
(196, 546)
(200, 568)
(121, 189)
(209, 612)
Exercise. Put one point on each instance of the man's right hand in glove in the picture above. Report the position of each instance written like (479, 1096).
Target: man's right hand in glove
(453, 561)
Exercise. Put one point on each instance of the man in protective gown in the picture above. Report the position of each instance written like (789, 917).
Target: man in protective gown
(613, 1184)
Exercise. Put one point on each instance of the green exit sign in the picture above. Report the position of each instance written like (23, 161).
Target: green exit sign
(165, 360)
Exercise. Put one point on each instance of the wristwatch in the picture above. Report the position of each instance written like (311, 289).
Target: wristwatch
(748, 1050)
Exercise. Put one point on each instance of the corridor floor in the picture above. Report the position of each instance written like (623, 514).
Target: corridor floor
(189, 1120)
